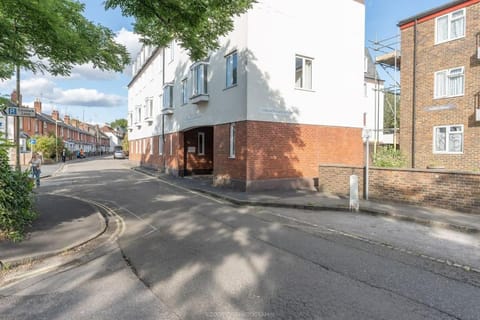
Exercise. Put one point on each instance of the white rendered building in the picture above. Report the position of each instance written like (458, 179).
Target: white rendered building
(282, 94)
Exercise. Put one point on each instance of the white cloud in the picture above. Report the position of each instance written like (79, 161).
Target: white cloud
(130, 40)
(87, 97)
(88, 72)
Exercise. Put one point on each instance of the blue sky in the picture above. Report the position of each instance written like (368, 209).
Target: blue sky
(99, 97)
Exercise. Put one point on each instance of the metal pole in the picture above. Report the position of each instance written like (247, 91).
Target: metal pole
(56, 140)
(17, 124)
(367, 160)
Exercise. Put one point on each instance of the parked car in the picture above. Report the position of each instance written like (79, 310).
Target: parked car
(119, 154)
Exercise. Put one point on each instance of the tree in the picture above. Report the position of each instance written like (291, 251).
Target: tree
(196, 24)
(389, 110)
(49, 146)
(125, 143)
(53, 36)
(119, 123)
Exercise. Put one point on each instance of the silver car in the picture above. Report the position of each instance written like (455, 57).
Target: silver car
(119, 154)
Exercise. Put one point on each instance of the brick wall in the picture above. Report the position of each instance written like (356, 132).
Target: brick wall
(431, 57)
(443, 189)
(280, 155)
(230, 170)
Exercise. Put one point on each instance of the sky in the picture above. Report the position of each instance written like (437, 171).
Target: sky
(100, 97)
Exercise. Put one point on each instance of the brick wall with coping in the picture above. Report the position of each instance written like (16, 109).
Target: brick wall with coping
(437, 188)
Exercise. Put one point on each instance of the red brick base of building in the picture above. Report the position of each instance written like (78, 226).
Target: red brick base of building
(268, 155)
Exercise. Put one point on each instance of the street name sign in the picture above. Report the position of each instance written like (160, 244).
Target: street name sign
(20, 112)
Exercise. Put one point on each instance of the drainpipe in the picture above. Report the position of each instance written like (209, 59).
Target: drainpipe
(414, 96)
(163, 114)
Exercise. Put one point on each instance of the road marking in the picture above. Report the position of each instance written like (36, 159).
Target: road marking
(382, 244)
(183, 188)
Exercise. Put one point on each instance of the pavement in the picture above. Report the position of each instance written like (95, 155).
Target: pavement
(71, 222)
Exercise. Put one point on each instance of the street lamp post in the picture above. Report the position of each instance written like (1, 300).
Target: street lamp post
(56, 140)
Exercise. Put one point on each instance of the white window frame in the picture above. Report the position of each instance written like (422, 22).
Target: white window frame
(231, 69)
(449, 74)
(450, 20)
(304, 79)
(171, 145)
(160, 145)
(201, 144)
(149, 108)
(448, 132)
(168, 96)
(184, 91)
(199, 79)
(232, 135)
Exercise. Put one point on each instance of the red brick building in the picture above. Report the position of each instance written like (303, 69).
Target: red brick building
(76, 135)
(440, 82)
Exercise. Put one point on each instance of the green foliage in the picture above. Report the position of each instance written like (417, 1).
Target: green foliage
(119, 123)
(48, 146)
(389, 110)
(53, 36)
(388, 157)
(125, 143)
(16, 197)
(196, 24)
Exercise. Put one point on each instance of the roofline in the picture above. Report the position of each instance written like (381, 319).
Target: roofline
(144, 66)
(435, 12)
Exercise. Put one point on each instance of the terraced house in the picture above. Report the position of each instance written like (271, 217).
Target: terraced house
(440, 80)
(283, 94)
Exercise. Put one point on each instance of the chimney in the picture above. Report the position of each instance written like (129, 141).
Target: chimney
(55, 115)
(66, 119)
(74, 123)
(37, 105)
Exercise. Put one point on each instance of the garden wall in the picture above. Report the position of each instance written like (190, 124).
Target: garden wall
(436, 188)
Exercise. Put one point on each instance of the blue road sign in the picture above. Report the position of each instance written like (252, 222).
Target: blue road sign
(33, 141)
(12, 111)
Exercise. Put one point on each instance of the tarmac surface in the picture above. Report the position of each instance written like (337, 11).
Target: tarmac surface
(66, 222)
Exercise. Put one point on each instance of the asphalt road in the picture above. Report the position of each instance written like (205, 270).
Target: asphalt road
(186, 256)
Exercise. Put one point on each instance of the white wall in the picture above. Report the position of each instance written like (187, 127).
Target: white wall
(267, 39)
(374, 101)
(330, 32)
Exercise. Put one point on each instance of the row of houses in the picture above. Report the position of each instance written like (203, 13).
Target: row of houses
(76, 135)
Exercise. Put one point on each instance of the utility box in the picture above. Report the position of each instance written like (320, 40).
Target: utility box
(354, 201)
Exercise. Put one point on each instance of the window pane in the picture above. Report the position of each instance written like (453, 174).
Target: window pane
(440, 139)
(298, 72)
(440, 78)
(455, 85)
(455, 142)
(442, 29)
(234, 68)
(457, 25)
(229, 71)
(308, 74)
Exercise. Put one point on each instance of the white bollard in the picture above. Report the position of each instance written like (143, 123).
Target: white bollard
(354, 202)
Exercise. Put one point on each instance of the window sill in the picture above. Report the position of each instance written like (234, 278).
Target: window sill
(230, 157)
(448, 97)
(230, 87)
(447, 153)
(204, 97)
(448, 40)
(303, 89)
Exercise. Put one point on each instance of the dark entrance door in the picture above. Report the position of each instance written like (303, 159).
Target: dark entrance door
(198, 151)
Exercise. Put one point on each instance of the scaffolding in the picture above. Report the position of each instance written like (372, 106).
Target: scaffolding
(388, 57)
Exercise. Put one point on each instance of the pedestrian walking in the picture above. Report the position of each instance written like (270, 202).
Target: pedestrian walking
(64, 155)
(36, 163)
